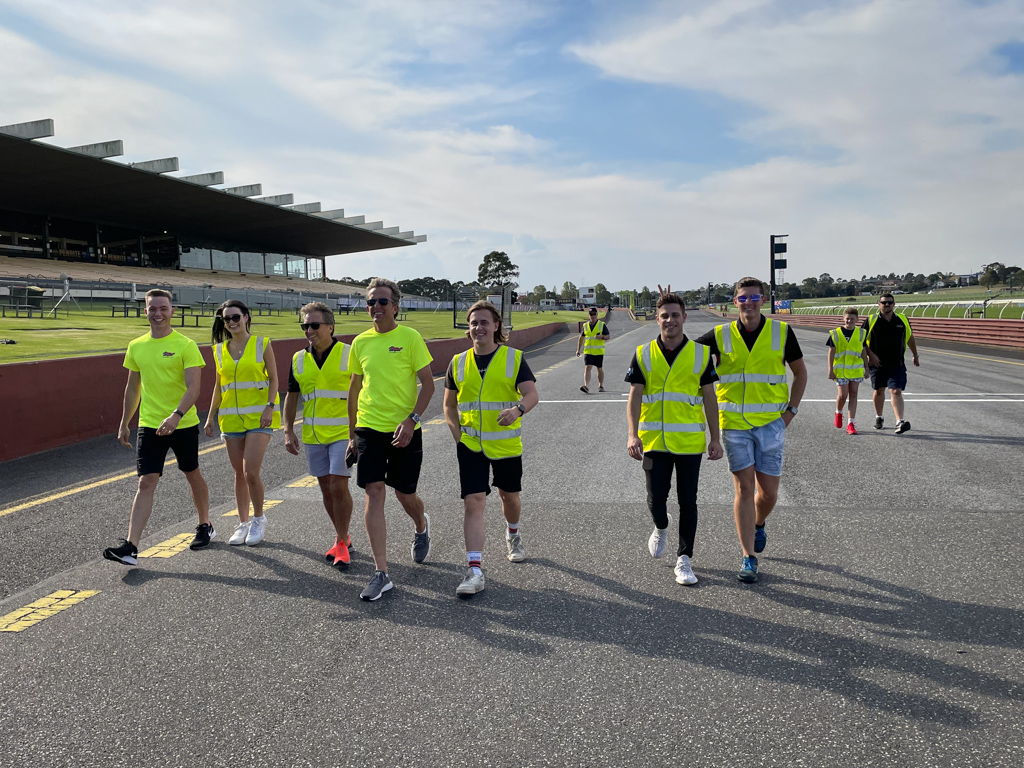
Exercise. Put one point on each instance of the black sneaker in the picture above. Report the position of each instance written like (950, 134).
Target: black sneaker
(902, 426)
(205, 533)
(879, 421)
(126, 553)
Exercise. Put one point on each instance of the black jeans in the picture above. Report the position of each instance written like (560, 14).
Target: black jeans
(658, 466)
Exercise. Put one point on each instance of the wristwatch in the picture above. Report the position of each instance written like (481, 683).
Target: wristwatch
(415, 417)
(180, 414)
(522, 411)
(792, 409)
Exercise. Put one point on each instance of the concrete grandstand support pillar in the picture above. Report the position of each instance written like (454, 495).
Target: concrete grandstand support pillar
(101, 149)
(249, 190)
(163, 165)
(36, 129)
(204, 179)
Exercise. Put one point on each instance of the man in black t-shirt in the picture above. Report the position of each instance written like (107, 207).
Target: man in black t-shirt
(889, 335)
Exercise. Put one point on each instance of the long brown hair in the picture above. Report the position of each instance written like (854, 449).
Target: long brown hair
(220, 332)
(500, 337)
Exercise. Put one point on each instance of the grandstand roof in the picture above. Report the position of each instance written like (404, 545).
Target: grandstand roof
(65, 183)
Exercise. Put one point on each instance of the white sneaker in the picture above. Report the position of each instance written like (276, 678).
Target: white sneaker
(659, 540)
(472, 583)
(238, 537)
(257, 527)
(684, 571)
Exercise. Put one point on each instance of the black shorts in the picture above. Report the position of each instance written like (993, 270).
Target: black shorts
(595, 360)
(151, 449)
(380, 461)
(475, 470)
(893, 377)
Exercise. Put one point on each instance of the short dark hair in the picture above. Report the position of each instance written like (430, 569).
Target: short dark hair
(155, 293)
(750, 282)
(851, 311)
(670, 298)
(887, 295)
(318, 306)
(592, 310)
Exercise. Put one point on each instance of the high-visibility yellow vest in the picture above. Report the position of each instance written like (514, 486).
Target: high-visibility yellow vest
(592, 345)
(907, 333)
(752, 387)
(483, 398)
(244, 387)
(672, 409)
(323, 391)
(848, 360)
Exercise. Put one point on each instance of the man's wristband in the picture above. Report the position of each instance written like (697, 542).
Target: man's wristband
(178, 413)
(522, 410)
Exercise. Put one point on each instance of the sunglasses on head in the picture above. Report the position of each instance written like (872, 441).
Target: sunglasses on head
(382, 302)
(314, 326)
(751, 297)
(232, 318)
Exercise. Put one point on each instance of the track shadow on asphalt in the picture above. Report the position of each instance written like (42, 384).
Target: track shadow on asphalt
(521, 621)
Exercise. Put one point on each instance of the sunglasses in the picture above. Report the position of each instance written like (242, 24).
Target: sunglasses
(232, 318)
(887, 302)
(314, 326)
(382, 302)
(751, 297)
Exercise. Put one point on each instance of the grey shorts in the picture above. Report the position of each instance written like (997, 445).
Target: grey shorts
(328, 459)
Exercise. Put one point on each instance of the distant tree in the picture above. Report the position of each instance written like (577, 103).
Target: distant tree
(811, 288)
(602, 295)
(569, 292)
(497, 269)
(646, 298)
(539, 292)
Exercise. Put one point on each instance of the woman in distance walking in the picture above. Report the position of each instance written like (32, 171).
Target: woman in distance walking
(245, 405)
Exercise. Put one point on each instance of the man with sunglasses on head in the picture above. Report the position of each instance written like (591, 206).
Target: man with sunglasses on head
(755, 405)
(319, 376)
(388, 360)
(888, 336)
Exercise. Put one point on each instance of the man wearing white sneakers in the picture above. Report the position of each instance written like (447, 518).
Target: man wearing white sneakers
(671, 408)
(488, 390)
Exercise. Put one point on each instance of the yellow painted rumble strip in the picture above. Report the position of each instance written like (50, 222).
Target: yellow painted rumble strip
(969, 357)
(43, 608)
(89, 486)
(267, 504)
(169, 548)
(305, 482)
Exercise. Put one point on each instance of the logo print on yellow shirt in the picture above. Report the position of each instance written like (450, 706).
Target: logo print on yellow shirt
(395, 349)
(168, 354)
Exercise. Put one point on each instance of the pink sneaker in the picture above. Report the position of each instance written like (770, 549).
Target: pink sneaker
(850, 429)
(838, 420)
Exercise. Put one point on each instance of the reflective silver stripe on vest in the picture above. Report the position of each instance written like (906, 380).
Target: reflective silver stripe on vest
(727, 339)
(752, 378)
(510, 363)
(473, 432)
(320, 421)
(460, 374)
(675, 397)
(217, 354)
(699, 351)
(481, 405)
(244, 385)
(259, 349)
(344, 358)
(325, 393)
(242, 411)
(776, 336)
(300, 362)
(657, 426)
(752, 407)
(646, 362)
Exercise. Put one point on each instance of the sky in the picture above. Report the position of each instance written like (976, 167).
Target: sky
(628, 143)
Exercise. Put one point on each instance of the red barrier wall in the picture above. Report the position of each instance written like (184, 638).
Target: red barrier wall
(988, 332)
(51, 403)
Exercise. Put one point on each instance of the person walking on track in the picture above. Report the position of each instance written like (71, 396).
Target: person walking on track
(387, 361)
(889, 335)
(319, 378)
(245, 406)
(488, 390)
(847, 356)
(755, 404)
(591, 342)
(670, 410)
(164, 370)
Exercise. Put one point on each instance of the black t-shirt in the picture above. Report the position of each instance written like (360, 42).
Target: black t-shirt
(293, 384)
(482, 361)
(790, 353)
(848, 333)
(887, 339)
(635, 374)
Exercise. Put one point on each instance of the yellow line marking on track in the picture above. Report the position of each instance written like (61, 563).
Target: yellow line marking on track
(438, 420)
(304, 482)
(43, 608)
(169, 548)
(973, 357)
(267, 504)
(90, 486)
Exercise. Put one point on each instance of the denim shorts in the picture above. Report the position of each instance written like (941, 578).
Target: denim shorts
(844, 382)
(760, 448)
(328, 459)
(240, 435)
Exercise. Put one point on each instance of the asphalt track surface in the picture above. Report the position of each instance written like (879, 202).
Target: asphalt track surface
(886, 629)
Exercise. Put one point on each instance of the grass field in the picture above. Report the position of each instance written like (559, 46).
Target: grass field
(94, 332)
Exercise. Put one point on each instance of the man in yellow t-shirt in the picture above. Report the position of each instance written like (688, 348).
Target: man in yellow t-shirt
(386, 362)
(164, 369)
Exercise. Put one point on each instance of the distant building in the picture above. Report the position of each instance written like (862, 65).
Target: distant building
(587, 296)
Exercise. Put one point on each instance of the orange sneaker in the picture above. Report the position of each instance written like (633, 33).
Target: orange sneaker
(342, 559)
(838, 420)
(332, 553)
(850, 429)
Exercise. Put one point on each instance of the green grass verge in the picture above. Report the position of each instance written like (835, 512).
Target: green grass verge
(94, 332)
